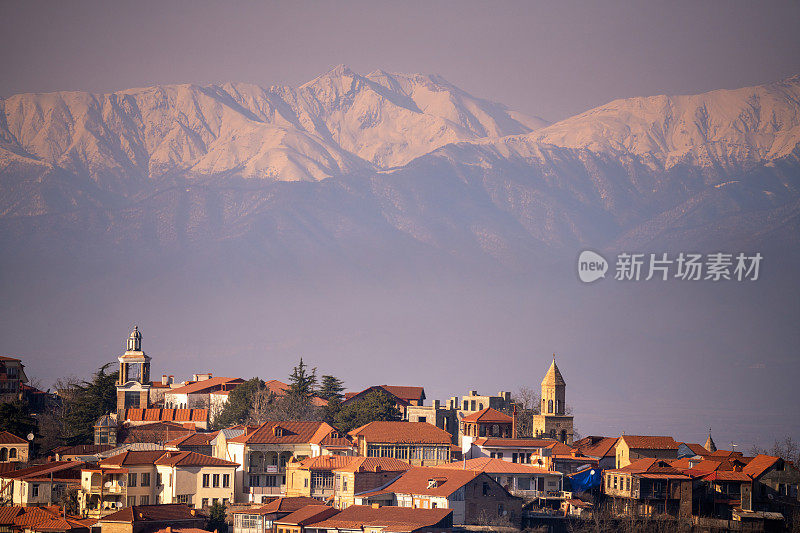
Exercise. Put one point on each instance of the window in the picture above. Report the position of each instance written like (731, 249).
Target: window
(159, 479)
(499, 455)
(183, 498)
(132, 479)
(254, 481)
(206, 480)
(35, 490)
(628, 483)
(12, 453)
(485, 489)
(214, 501)
(513, 457)
(466, 405)
(550, 406)
(305, 483)
(145, 481)
(131, 501)
(344, 485)
(472, 405)
(215, 480)
(205, 503)
(226, 480)
(144, 500)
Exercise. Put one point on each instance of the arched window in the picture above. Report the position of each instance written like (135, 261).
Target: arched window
(550, 406)
(3, 454)
(558, 407)
(12, 453)
(564, 435)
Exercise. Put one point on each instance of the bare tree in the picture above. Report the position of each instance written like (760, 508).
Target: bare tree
(527, 402)
(268, 406)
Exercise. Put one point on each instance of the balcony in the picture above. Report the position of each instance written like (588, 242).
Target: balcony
(266, 491)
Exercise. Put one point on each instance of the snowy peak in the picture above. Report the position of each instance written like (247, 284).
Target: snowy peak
(718, 128)
(340, 122)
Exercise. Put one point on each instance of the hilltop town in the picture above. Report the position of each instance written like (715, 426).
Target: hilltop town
(127, 452)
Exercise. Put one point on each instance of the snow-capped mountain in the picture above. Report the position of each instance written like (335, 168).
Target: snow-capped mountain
(338, 123)
(392, 161)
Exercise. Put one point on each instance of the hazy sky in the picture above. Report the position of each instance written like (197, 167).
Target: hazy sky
(547, 58)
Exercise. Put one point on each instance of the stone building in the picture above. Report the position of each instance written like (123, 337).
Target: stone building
(13, 448)
(553, 421)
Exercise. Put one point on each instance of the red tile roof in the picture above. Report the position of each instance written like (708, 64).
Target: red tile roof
(394, 519)
(596, 446)
(4, 358)
(489, 416)
(760, 464)
(7, 514)
(417, 481)
(324, 462)
(132, 458)
(697, 449)
(281, 505)
(375, 464)
(648, 442)
(292, 432)
(44, 519)
(404, 394)
(166, 512)
(496, 466)
(166, 415)
(10, 438)
(199, 387)
(648, 466)
(191, 459)
(44, 469)
(82, 449)
(193, 439)
(402, 433)
(308, 515)
(727, 475)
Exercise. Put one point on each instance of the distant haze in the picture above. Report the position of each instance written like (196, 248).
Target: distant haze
(550, 59)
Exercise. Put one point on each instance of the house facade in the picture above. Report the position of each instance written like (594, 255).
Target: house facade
(42, 484)
(418, 443)
(12, 379)
(630, 448)
(649, 487)
(13, 449)
(263, 453)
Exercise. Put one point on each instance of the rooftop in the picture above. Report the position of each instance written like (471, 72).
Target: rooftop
(489, 416)
(207, 385)
(402, 433)
(648, 442)
(395, 519)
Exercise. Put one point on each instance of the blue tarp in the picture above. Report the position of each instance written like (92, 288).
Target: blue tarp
(585, 480)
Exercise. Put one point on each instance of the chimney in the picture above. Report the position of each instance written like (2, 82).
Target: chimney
(473, 393)
(436, 404)
(164, 379)
(171, 379)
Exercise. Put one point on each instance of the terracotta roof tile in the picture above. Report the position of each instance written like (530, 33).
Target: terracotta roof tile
(206, 385)
(597, 446)
(496, 466)
(44, 469)
(395, 519)
(193, 439)
(191, 459)
(132, 458)
(375, 464)
(416, 481)
(760, 464)
(45, 519)
(154, 513)
(288, 432)
(402, 433)
(308, 515)
(166, 415)
(282, 505)
(7, 514)
(489, 416)
(648, 442)
(325, 462)
(697, 449)
(10, 438)
(404, 394)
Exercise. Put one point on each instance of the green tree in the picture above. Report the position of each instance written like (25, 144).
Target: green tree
(69, 501)
(240, 403)
(86, 401)
(216, 520)
(374, 406)
(331, 387)
(15, 418)
(302, 384)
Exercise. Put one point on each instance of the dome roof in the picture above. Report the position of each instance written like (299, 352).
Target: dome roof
(135, 334)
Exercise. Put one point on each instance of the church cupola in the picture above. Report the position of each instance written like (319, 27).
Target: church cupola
(135, 340)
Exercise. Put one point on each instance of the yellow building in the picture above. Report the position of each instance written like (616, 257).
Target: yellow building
(417, 443)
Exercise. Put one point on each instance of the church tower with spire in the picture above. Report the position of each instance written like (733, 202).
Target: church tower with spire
(553, 421)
